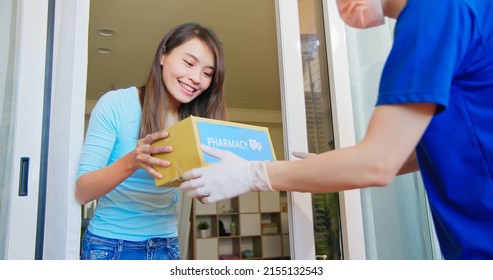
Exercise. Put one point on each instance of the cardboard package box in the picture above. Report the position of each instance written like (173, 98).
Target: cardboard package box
(247, 141)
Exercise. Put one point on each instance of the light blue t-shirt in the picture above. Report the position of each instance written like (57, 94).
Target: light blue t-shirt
(443, 54)
(135, 210)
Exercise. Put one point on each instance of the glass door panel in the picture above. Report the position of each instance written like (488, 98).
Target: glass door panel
(396, 221)
(326, 214)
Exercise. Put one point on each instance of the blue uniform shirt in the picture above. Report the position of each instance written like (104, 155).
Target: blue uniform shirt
(443, 54)
(135, 210)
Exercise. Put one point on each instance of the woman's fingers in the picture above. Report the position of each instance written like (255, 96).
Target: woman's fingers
(153, 137)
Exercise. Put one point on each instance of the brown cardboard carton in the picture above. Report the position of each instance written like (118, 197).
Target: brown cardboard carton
(248, 141)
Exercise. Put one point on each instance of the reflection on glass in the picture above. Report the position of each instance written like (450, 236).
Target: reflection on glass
(326, 215)
(395, 218)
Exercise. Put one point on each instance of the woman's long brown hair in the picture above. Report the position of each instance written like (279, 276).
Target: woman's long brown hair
(210, 104)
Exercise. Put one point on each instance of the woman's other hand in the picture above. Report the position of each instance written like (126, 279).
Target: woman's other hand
(144, 153)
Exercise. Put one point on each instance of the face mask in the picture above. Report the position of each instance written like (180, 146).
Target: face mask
(361, 13)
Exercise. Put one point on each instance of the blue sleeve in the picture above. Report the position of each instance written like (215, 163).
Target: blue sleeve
(431, 39)
(100, 136)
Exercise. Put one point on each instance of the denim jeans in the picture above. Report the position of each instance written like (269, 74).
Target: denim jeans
(101, 248)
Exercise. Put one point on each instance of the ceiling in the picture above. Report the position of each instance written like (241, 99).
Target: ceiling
(247, 30)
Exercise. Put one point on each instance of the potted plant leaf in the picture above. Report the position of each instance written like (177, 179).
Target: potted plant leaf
(203, 226)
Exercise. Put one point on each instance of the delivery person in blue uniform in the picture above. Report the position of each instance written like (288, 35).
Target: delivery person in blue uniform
(434, 113)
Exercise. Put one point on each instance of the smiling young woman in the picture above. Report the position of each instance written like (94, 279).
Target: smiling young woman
(134, 219)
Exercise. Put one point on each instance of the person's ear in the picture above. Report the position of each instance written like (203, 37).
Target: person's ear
(162, 59)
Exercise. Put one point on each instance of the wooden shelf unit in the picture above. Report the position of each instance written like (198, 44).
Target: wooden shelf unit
(255, 222)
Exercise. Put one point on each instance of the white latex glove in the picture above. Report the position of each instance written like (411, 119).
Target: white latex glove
(230, 177)
(302, 155)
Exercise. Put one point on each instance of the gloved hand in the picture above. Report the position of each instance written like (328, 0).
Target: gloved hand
(302, 155)
(230, 177)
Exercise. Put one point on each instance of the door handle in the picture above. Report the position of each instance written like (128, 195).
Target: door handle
(24, 176)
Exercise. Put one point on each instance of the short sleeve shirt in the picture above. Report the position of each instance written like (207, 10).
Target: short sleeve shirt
(135, 210)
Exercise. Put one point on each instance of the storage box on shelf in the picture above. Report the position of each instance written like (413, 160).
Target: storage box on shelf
(251, 226)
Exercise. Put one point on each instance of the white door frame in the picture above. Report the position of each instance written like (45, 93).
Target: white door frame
(63, 212)
(29, 75)
(353, 235)
(294, 121)
(69, 73)
(302, 240)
